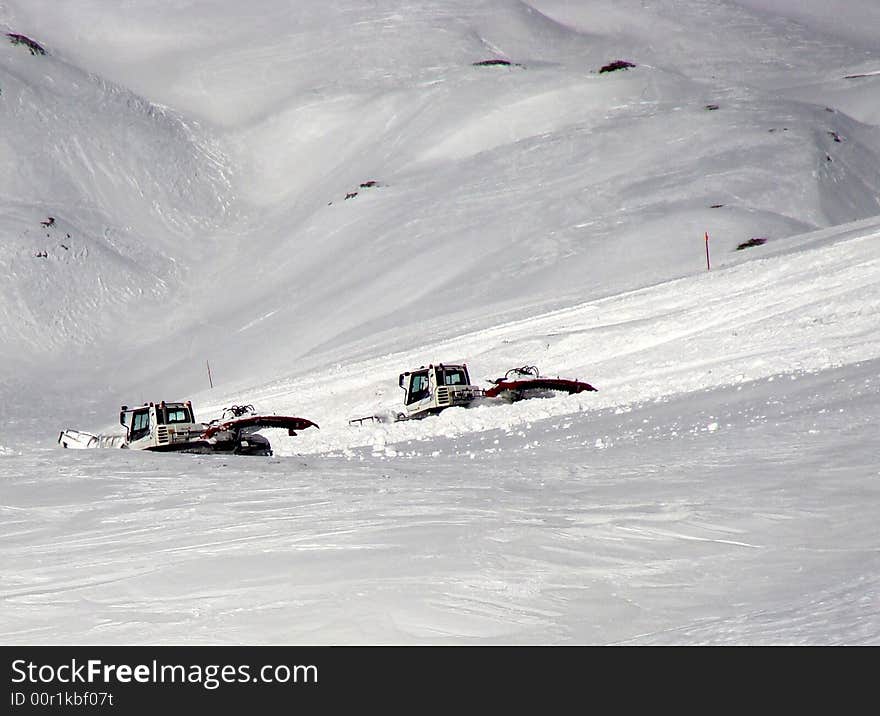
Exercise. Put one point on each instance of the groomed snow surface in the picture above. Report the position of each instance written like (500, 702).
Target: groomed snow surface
(721, 487)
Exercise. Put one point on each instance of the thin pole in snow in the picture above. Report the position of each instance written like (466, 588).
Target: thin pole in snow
(210, 380)
(708, 265)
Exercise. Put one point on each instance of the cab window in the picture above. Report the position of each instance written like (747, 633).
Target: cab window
(140, 425)
(177, 415)
(418, 387)
(453, 376)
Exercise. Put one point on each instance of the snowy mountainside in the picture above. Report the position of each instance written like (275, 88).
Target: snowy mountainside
(201, 57)
(499, 190)
(97, 187)
(315, 197)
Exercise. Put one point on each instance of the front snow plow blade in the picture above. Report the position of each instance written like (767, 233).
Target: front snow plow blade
(386, 417)
(81, 440)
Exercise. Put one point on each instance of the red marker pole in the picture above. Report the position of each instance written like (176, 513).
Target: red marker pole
(708, 265)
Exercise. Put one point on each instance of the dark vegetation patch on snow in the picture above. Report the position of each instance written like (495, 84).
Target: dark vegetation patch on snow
(49, 223)
(616, 65)
(369, 184)
(754, 241)
(496, 63)
(32, 45)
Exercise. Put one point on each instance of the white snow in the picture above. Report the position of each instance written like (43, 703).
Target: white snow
(721, 487)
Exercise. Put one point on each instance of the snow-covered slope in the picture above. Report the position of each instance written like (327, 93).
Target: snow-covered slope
(315, 197)
(107, 203)
(501, 190)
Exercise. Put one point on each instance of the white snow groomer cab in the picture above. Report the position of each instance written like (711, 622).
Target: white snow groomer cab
(435, 388)
(159, 426)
